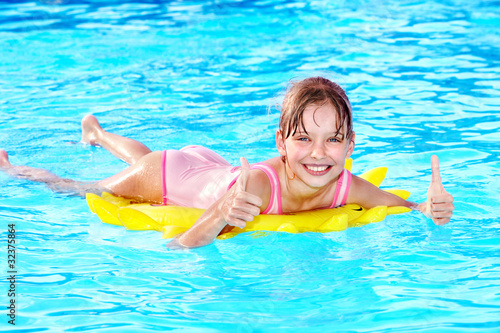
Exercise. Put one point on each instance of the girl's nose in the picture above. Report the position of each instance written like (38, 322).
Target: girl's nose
(318, 152)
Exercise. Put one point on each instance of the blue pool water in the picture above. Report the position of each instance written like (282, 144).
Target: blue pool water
(423, 78)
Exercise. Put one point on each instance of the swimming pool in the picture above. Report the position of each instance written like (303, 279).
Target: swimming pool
(423, 78)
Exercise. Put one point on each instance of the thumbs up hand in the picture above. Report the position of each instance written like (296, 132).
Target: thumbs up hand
(245, 172)
(240, 206)
(439, 205)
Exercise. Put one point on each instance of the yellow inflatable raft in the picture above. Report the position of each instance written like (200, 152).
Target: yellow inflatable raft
(173, 220)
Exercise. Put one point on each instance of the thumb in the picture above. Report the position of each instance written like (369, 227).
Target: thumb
(436, 176)
(245, 171)
(436, 183)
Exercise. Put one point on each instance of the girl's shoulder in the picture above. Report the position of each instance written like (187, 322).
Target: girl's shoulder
(260, 182)
(276, 163)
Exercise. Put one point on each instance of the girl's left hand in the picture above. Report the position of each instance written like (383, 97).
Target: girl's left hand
(439, 205)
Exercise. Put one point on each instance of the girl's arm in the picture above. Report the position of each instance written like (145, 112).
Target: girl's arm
(439, 205)
(235, 208)
(368, 195)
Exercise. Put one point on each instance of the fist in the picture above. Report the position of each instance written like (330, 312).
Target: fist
(439, 205)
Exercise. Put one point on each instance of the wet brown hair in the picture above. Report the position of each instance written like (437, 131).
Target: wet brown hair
(314, 91)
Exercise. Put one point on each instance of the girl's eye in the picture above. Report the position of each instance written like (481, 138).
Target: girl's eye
(333, 140)
(302, 139)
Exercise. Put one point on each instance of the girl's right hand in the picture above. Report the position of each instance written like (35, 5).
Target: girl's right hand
(240, 206)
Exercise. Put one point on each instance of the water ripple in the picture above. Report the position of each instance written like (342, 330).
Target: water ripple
(423, 79)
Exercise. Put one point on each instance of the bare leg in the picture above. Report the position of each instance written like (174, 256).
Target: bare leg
(140, 181)
(53, 181)
(126, 149)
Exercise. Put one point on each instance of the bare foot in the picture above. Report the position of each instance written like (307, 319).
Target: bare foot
(90, 130)
(4, 160)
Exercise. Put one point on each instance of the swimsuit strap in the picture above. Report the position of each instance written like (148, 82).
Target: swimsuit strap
(274, 206)
(342, 189)
(163, 176)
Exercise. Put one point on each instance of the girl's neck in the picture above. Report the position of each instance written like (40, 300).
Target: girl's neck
(297, 196)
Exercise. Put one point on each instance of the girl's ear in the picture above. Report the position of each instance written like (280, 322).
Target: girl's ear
(350, 147)
(280, 143)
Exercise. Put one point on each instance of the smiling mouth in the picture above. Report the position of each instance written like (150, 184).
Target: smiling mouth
(317, 170)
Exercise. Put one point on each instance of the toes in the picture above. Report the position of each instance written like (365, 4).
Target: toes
(4, 159)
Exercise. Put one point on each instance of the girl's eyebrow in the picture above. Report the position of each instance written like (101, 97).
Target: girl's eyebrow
(302, 132)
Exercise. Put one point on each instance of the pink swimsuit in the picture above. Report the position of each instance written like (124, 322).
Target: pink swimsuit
(196, 176)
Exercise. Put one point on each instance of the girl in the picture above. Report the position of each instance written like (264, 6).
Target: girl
(314, 138)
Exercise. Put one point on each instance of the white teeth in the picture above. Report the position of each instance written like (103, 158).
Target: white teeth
(317, 168)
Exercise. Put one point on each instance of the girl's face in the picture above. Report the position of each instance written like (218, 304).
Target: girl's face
(317, 157)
